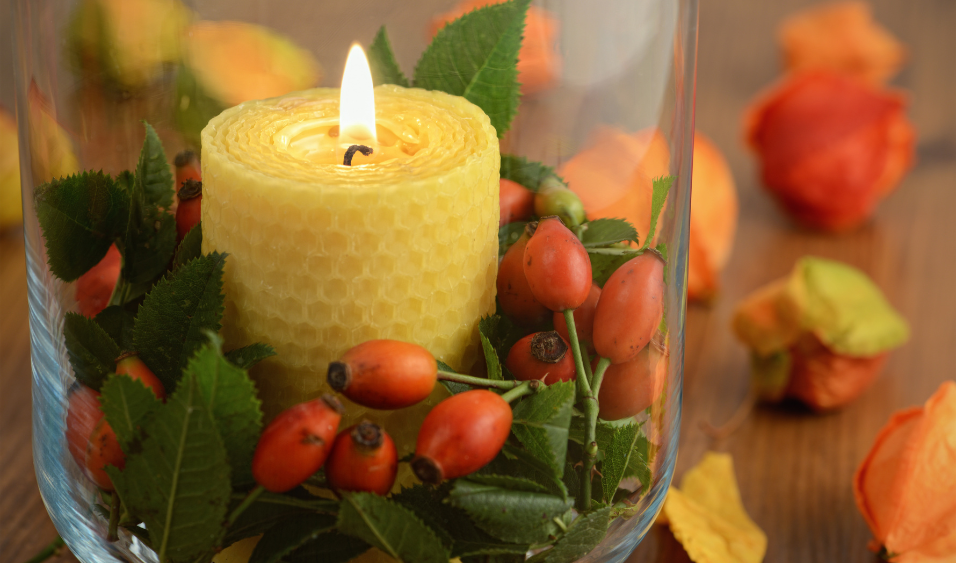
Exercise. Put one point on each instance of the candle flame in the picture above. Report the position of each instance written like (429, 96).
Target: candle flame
(357, 102)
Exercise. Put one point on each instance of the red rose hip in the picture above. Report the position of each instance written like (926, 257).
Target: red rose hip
(543, 356)
(461, 435)
(103, 450)
(630, 308)
(583, 318)
(131, 366)
(557, 266)
(296, 443)
(514, 293)
(363, 458)
(515, 201)
(82, 415)
(385, 374)
(189, 211)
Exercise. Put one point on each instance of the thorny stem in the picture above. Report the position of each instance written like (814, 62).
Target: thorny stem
(111, 534)
(590, 408)
(246, 503)
(49, 551)
(524, 388)
(477, 381)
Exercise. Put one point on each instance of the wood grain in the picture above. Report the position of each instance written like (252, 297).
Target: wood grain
(794, 467)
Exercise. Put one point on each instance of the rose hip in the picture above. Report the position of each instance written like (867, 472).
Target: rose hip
(103, 450)
(363, 458)
(515, 202)
(95, 288)
(543, 356)
(583, 318)
(82, 415)
(630, 308)
(130, 365)
(461, 435)
(295, 444)
(385, 374)
(187, 168)
(514, 293)
(554, 198)
(189, 211)
(557, 266)
(631, 387)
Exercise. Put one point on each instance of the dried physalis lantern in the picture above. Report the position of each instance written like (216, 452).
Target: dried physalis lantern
(713, 218)
(830, 147)
(820, 336)
(843, 37)
(906, 486)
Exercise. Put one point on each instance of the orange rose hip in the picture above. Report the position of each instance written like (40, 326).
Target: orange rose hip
(630, 308)
(515, 201)
(543, 356)
(363, 458)
(385, 374)
(557, 266)
(514, 293)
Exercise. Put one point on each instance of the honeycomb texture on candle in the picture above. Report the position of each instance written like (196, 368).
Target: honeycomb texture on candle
(323, 257)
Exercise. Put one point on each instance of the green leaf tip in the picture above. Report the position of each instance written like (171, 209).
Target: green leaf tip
(662, 187)
(381, 60)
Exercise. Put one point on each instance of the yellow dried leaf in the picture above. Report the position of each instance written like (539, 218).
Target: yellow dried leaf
(708, 519)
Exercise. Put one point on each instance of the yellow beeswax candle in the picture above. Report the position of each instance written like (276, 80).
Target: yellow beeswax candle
(324, 256)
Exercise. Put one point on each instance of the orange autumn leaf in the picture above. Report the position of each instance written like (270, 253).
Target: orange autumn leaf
(830, 147)
(906, 486)
(823, 380)
(539, 62)
(614, 175)
(713, 218)
(843, 37)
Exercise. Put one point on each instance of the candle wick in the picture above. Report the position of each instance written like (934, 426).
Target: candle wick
(352, 150)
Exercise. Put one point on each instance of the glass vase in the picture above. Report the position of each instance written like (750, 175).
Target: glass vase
(607, 100)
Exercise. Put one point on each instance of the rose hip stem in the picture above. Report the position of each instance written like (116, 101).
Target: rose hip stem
(477, 381)
(588, 392)
(246, 503)
(111, 534)
(525, 388)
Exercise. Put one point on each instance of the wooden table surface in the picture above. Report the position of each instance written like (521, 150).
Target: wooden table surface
(794, 467)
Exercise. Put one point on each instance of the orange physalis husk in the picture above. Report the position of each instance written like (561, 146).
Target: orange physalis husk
(539, 62)
(708, 518)
(820, 335)
(614, 175)
(830, 147)
(713, 218)
(842, 37)
(906, 486)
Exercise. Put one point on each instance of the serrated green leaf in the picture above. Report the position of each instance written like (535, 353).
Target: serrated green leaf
(584, 535)
(541, 424)
(230, 396)
(501, 332)
(127, 403)
(172, 320)
(528, 173)
(638, 465)
(390, 527)
(509, 482)
(453, 387)
(511, 516)
(80, 216)
(149, 241)
(189, 248)
(508, 235)
(491, 359)
(91, 351)
(476, 57)
(662, 185)
(605, 232)
(178, 484)
(153, 175)
(381, 60)
(518, 462)
(603, 265)
(661, 249)
(617, 448)
(250, 355)
(280, 541)
(118, 322)
(330, 547)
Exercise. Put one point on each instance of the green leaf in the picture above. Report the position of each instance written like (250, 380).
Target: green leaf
(171, 321)
(509, 482)
(80, 216)
(189, 248)
(381, 59)
(280, 541)
(528, 173)
(603, 265)
(118, 322)
(501, 333)
(476, 57)
(638, 465)
(179, 483)
(453, 387)
(509, 515)
(330, 547)
(257, 519)
(605, 232)
(662, 185)
(390, 527)
(617, 446)
(153, 175)
(150, 236)
(584, 535)
(127, 403)
(230, 396)
(518, 462)
(491, 359)
(541, 424)
(91, 351)
(250, 355)
(508, 235)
